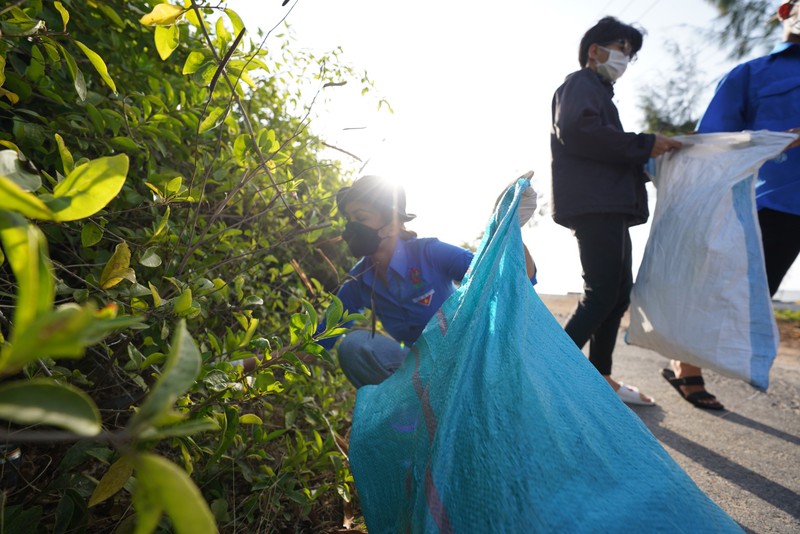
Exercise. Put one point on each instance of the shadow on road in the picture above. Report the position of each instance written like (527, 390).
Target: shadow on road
(761, 427)
(775, 494)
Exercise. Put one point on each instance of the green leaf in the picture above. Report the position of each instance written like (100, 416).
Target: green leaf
(61, 333)
(91, 234)
(90, 187)
(64, 14)
(211, 120)
(113, 481)
(236, 20)
(11, 168)
(118, 267)
(162, 15)
(228, 434)
(26, 250)
(162, 485)
(124, 143)
(45, 402)
(222, 32)
(167, 39)
(193, 62)
(179, 373)
(67, 162)
(98, 63)
(187, 428)
(183, 303)
(150, 258)
(77, 77)
(162, 223)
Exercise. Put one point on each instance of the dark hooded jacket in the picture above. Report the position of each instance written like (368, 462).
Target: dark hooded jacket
(597, 166)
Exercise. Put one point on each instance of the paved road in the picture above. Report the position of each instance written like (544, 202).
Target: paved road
(746, 458)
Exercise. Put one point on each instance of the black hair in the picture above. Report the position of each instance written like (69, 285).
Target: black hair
(605, 32)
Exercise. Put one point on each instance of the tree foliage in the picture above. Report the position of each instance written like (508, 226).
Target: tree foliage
(747, 25)
(164, 209)
(672, 106)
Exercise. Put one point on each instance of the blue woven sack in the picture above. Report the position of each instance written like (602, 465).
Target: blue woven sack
(496, 422)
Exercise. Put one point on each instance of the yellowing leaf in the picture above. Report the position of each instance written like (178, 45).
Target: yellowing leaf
(45, 402)
(156, 296)
(12, 97)
(64, 13)
(250, 419)
(163, 15)
(67, 162)
(13, 198)
(116, 477)
(191, 14)
(167, 39)
(98, 63)
(90, 187)
(117, 268)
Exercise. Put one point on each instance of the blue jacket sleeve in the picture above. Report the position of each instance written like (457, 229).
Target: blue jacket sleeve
(449, 259)
(728, 109)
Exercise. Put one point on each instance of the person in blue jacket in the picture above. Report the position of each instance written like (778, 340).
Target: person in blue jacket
(403, 279)
(761, 94)
(599, 188)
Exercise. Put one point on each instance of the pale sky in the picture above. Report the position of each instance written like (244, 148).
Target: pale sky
(471, 84)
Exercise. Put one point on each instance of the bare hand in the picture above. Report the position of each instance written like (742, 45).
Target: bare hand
(663, 145)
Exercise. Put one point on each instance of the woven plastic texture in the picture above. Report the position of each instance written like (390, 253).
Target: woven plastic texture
(496, 422)
(701, 293)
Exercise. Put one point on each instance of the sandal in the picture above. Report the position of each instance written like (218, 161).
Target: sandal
(696, 398)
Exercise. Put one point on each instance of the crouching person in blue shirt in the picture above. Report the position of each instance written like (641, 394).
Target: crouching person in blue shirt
(403, 279)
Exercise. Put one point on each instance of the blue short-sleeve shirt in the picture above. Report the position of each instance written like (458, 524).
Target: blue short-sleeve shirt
(419, 279)
(764, 94)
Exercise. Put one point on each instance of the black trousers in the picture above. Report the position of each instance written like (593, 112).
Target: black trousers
(780, 234)
(604, 243)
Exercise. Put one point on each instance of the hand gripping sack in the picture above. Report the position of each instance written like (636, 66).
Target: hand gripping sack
(701, 293)
(496, 422)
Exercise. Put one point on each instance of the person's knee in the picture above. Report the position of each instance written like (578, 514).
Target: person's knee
(368, 359)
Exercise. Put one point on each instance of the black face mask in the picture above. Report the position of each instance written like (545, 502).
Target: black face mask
(361, 239)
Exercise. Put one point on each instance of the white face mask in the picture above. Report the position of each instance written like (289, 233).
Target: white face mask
(614, 66)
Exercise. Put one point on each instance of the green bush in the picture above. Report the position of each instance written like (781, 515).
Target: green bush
(163, 211)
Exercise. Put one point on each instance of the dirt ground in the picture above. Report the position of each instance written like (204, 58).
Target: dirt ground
(789, 351)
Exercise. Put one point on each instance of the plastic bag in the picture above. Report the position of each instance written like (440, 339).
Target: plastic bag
(496, 422)
(701, 294)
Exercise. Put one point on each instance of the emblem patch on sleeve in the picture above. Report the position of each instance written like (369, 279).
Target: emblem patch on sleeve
(425, 299)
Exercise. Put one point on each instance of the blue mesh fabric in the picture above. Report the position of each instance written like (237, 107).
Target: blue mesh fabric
(496, 422)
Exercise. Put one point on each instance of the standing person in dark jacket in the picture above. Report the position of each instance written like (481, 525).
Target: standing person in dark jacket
(599, 188)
